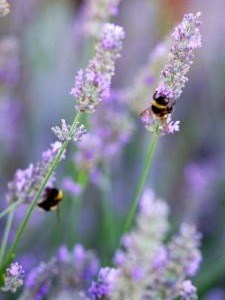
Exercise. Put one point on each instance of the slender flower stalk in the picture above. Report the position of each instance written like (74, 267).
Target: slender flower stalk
(6, 236)
(186, 38)
(141, 183)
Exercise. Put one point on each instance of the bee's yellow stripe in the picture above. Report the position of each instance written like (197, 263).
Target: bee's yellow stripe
(59, 196)
(160, 106)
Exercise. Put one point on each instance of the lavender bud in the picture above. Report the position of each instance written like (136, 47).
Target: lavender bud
(188, 291)
(13, 278)
(103, 289)
(39, 280)
(64, 134)
(26, 182)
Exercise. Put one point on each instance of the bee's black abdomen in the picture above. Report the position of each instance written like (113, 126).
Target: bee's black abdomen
(51, 199)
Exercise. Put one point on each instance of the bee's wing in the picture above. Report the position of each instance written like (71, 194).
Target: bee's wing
(147, 116)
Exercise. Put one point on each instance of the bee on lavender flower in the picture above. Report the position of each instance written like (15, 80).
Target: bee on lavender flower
(51, 199)
(160, 107)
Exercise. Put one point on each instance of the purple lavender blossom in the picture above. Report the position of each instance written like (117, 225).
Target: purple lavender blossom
(188, 291)
(76, 268)
(13, 278)
(26, 182)
(39, 280)
(147, 268)
(93, 84)
(186, 39)
(184, 247)
(103, 289)
(4, 8)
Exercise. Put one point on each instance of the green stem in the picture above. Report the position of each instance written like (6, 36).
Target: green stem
(5, 236)
(39, 192)
(141, 183)
(10, 208)
(108, 217)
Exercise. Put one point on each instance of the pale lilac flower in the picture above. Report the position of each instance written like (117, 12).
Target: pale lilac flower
(184, 248)
(71, 271)
(64, 134)
(173, 77)
(4, 8)
(77, 268)
(13, 278)
(107, 279)
(39, 280)
(93, 84)
(147, 267)
(26, 182)
(98, 12)
(188, 291)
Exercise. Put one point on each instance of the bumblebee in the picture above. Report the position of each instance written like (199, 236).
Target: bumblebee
(51, 199)
(161, 107)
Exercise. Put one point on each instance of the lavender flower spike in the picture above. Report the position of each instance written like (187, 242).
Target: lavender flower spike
(4, 8)
(13, 278)
(173, 77)
(26, 182)
(93, 84)
(147, 267)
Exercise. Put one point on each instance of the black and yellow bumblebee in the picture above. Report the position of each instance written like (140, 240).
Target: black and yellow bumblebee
(51, 199)
(160, 107)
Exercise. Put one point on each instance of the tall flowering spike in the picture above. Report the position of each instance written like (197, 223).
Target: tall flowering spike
(39, 280)
(68, 274)
(13, 278)
(184, 247)
(77, 268)
(26, 182)
(64, 134)
(147, 267)
(98, 12)
(186, 38)
(93, 84)
(103, 289)
(4, 8)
